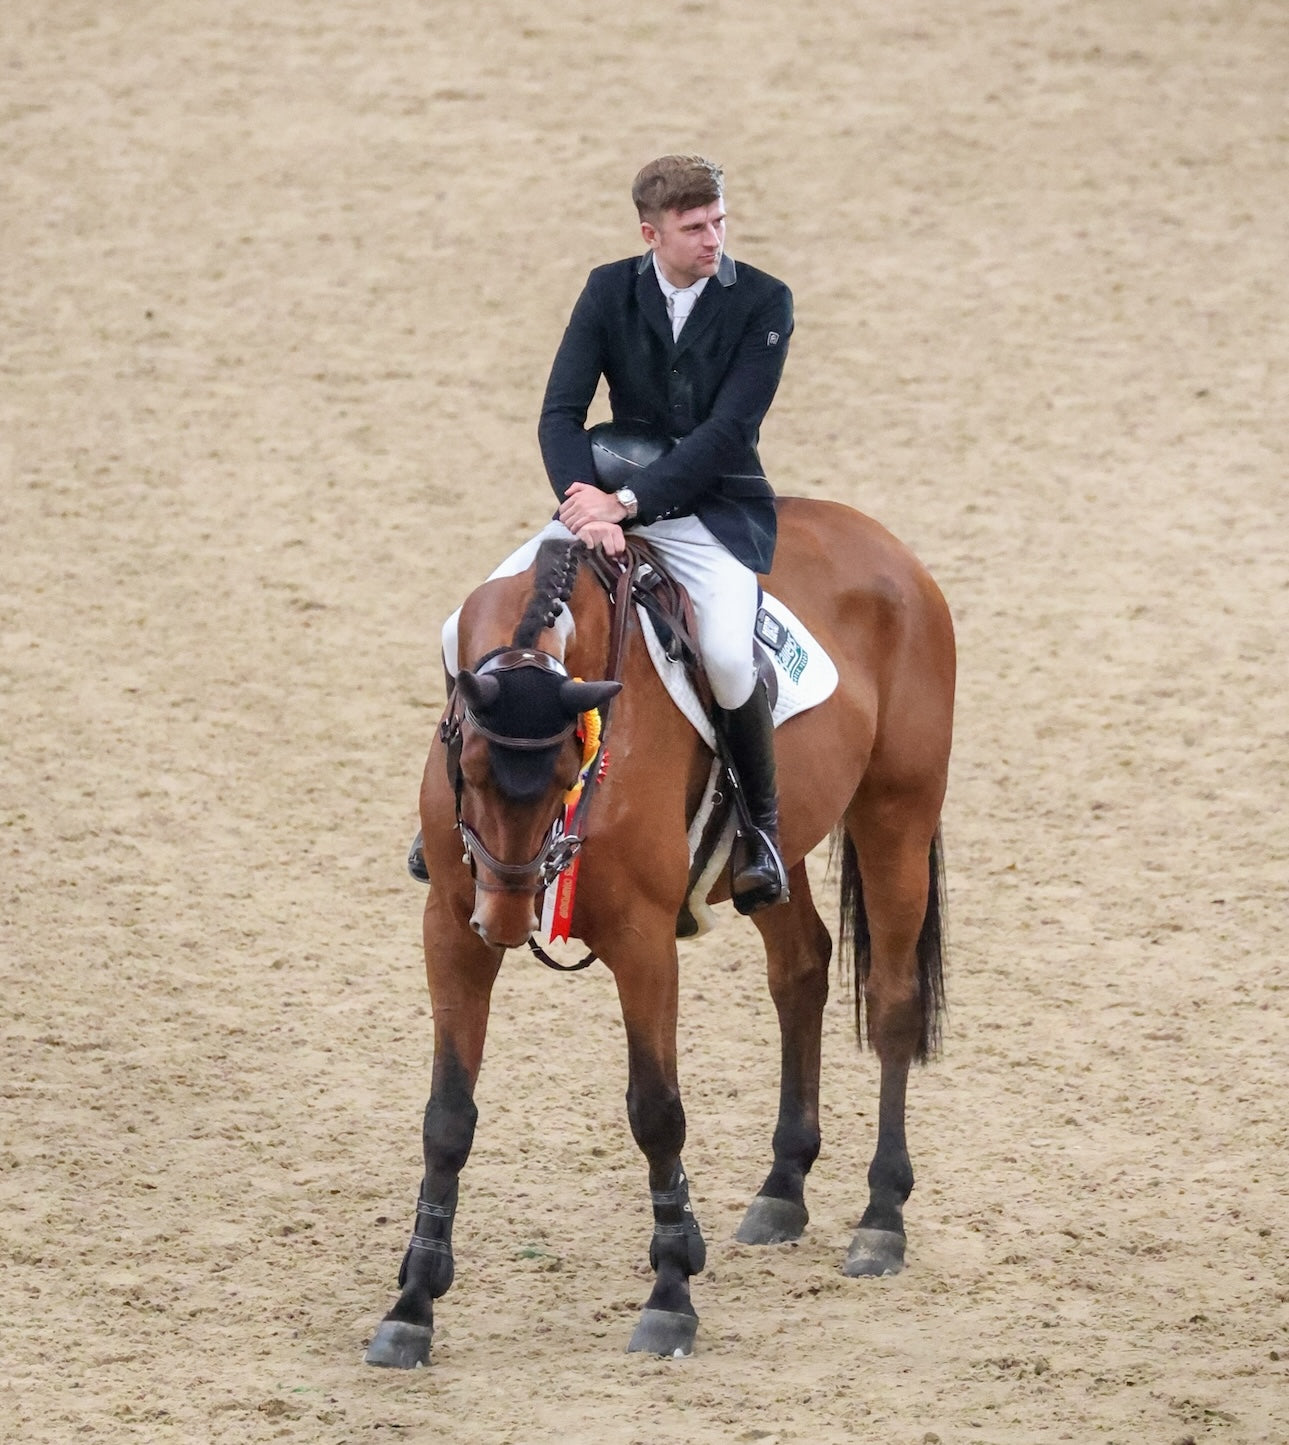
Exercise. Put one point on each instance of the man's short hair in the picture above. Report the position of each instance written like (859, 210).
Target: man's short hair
(676, 183)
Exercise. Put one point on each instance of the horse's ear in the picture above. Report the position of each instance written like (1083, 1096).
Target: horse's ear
(479, 692)
(580, 697)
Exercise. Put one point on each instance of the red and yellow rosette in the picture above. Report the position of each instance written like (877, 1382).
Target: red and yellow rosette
(559, 908)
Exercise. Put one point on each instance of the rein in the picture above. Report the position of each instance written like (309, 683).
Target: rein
(558, 850)
(616, 575)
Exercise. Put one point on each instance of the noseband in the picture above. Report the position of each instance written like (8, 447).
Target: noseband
(554, 855)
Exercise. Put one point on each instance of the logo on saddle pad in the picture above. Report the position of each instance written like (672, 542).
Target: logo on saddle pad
(789, 653)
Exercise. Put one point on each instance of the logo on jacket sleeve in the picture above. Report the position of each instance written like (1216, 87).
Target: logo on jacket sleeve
(772, 339)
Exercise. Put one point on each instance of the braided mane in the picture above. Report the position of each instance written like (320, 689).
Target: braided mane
(557, 568)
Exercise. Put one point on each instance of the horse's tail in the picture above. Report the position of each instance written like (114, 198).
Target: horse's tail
(857, 942)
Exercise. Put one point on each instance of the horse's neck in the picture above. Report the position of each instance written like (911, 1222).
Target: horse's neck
(587, 651)
(581, 636)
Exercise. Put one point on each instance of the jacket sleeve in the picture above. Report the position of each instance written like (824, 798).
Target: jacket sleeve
(575, 374)
(719, 445)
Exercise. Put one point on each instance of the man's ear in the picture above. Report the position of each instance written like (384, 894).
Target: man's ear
(650, 233)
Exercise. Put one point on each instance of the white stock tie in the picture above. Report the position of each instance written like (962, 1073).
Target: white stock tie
(682, 303)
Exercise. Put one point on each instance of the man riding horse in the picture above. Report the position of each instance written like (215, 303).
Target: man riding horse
(692, 348)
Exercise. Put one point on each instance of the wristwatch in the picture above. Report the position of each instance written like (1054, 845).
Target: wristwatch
(628, 500)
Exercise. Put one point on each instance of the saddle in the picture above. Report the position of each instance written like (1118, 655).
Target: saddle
(667, 605)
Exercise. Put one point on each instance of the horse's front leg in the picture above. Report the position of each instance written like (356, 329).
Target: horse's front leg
(461, 970)
(648, 983)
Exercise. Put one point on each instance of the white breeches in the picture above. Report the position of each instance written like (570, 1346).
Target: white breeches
(723, 591)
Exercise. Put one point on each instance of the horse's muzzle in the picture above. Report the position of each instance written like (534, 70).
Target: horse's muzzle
(505, 894)
(503, 917)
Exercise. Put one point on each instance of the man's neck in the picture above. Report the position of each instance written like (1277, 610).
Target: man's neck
(681, 285)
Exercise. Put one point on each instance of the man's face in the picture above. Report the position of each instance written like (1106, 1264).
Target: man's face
(688, 244)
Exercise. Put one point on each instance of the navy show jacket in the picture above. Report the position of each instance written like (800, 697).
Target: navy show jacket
(709, 391)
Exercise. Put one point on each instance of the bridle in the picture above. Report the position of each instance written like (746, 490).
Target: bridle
(558, 848)
(555, 853)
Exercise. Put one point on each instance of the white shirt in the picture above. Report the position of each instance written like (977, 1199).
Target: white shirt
(690, 293)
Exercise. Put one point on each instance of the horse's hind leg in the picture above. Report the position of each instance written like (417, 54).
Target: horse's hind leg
(895, 842)
(798, 949)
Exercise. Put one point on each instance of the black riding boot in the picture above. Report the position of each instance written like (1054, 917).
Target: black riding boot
(758, 877)
(416, 854)
(416, 860)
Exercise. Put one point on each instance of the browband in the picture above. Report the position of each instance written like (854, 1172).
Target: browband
(513, 657)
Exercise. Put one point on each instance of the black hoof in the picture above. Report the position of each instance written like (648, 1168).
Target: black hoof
(874, 1252)
(772, 1221)
(660, 1332)
(397, 1345)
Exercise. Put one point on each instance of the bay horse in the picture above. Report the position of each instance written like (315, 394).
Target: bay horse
(868, 765)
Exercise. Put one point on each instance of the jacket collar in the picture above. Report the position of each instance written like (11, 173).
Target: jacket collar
(726, 272)
(654, 305)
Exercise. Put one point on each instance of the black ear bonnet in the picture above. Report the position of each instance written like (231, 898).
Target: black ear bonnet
(514, 700)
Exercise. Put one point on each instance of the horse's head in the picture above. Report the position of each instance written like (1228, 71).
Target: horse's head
(514, 756)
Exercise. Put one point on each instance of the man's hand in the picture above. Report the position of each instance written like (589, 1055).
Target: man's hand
(584, 504)
(607, 535)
